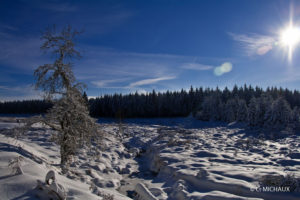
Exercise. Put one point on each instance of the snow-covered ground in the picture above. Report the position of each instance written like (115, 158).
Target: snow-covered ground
(178, 158)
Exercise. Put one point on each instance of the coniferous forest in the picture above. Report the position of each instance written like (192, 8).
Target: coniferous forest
(25, 107)
(258, 107)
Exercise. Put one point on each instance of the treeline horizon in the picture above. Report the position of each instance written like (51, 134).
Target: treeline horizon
(159, 104)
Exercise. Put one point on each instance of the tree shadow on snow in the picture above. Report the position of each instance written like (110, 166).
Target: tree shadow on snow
(12, 148)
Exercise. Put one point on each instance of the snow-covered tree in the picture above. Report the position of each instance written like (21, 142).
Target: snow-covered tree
(279, 113)
(253, 110)
(295, 117)
(205, 112)
(69, 116)
(212, 108)
(242, 112)
(231, 110)
(264, 104)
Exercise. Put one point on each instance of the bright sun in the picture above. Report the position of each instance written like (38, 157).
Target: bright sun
(290, 37)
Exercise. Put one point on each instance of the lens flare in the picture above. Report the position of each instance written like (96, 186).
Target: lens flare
(224, 68)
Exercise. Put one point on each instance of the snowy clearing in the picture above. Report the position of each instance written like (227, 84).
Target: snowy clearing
(178, 158)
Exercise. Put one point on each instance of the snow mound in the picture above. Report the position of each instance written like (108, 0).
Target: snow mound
(34, 157)
(215, 161)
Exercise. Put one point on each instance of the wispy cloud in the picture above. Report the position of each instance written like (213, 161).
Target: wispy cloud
(25, 88)
(103, 67)
(22, 53)
(217, 70)
(8, 27)
(150, 81)
(255, 44)
(5, 31)
(108, 68)
(111, 69)
(111, 64)
(105, 83)
(196, 66)
(24, 92)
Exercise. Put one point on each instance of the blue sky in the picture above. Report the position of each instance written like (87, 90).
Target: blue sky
(130, 46)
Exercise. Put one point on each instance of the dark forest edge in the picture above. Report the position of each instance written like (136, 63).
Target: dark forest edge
(272, 107)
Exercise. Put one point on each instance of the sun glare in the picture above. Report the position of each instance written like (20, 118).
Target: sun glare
(290, 38)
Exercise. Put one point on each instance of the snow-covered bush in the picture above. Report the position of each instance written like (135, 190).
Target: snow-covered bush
(249, 143)
(289, 180)
(104, 196)
(50, 189)
(107, 196)
(15, 165)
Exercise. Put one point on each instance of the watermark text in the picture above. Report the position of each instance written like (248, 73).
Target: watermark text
(270, 189)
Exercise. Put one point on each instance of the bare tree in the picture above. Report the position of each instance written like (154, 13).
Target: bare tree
(69, 116)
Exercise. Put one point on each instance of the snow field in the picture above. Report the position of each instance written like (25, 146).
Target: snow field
(172, 159)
